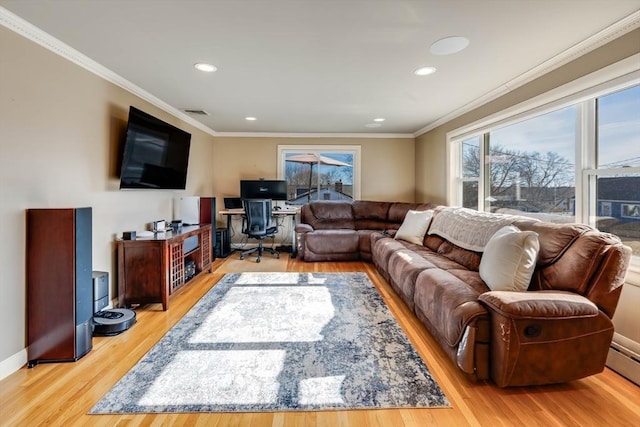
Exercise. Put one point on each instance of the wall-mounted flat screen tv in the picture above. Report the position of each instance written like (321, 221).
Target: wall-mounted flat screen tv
(156, 154)
(263, 189)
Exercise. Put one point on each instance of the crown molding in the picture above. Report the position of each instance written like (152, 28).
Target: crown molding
(599, 39)
(18, 25)
(15, 23)
(312, 135)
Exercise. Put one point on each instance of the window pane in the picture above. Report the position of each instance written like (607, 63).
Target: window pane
(470, 194)
(470, 172)
(619, 129)
(532, 167)
(319, 176)
(618, 208)
(471, 157)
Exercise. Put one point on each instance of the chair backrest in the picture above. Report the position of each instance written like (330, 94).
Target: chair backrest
(259, 216)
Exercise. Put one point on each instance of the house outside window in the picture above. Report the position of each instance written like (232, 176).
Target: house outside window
(320, 172)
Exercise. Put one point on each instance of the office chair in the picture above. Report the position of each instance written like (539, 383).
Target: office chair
(258, 224)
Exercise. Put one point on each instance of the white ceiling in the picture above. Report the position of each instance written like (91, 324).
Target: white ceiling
(322, 66)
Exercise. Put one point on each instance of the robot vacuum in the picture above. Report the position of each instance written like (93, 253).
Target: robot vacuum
(113, 322)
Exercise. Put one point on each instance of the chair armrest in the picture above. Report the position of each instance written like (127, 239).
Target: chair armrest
(539, 304)
(303, 228)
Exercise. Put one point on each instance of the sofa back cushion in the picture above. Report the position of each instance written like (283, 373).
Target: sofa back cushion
(370, 215)
(397, 212)
(469, 259)
(326, 215)
(578, 258)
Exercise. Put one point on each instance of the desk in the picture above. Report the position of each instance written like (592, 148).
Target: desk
(229, 213)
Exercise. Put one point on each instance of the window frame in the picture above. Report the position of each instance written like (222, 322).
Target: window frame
(355, 150)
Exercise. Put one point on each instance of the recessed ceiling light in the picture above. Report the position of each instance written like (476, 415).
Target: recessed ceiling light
(250, 119)
(207, 68)
(424, 71)
(372, 125)
(379, 119)
(449, 45)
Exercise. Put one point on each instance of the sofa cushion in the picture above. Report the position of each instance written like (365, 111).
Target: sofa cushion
(464, 257)
(397, 211)
(382, 249)
(332, 241)
(414, 226)
(403, 267)
(325, 215)
(449, 300)
(370, 215)
(509, 259)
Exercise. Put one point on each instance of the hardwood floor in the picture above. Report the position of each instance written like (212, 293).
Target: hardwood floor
(62, 394)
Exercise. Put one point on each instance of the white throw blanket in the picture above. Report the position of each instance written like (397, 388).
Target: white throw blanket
(467, 228)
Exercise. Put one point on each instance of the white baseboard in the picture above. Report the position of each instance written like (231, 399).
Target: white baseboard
(624, 363)
(13, 363)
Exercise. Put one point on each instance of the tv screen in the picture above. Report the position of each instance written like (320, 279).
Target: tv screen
(156, 154)
(263, 189)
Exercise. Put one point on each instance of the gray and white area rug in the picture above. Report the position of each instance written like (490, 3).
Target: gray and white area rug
(260, 342)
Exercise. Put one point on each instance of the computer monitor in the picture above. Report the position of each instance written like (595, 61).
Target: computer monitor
(263, 189)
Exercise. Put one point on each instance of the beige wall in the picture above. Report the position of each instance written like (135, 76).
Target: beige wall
(387, 163)
(431, 146)
(60, 130)
(387, 169)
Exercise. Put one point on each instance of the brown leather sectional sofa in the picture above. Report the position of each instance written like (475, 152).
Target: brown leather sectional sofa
(558, 330)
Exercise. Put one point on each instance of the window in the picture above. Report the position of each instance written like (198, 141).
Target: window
(319, 172)
(617, 171)
(562, 161)
(630, 211)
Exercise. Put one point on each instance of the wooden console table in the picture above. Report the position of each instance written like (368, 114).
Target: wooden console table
(150, 269)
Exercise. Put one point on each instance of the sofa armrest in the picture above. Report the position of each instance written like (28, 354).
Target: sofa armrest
(301, 231)
(545, 337)
(303, 228)
(540, 304)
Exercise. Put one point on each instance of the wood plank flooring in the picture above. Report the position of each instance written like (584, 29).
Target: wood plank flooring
(62, 394)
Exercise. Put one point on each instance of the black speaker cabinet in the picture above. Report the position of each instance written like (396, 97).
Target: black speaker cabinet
(59, 285)
(223, 245)
(200, 210)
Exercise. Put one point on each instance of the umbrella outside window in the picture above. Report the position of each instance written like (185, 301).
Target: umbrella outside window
(315, 159)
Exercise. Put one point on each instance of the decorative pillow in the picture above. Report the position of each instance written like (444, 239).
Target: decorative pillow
(414, 226)
(509, 259)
